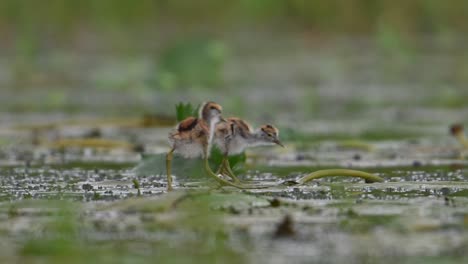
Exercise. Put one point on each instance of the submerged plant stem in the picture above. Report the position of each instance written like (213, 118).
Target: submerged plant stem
(340, 172)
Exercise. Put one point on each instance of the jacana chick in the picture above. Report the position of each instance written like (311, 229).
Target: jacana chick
(193, 136)
(457, 131)
(234, 135)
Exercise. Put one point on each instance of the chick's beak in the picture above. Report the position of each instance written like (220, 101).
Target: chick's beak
(222, 119)
(278, 142)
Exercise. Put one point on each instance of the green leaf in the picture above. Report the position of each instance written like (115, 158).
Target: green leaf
(185, 110)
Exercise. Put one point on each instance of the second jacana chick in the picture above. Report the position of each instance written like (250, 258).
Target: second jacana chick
(234, 135)
(457, 131)
(193, 136)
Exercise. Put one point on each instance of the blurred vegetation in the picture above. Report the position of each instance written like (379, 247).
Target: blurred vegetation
(363, 16)
(181, 45)
(29, 26)
(195, 62)
(65, 233)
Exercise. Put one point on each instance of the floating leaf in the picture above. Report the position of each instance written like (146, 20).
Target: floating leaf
(186, 168)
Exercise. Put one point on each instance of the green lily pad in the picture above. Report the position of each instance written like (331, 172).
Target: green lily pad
(186, 168)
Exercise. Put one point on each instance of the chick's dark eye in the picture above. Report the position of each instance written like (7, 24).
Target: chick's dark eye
(270, 135)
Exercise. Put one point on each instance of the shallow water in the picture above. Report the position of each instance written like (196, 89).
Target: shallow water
(419, 212)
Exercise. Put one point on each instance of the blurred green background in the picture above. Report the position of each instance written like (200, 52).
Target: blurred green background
(313, 58)
(65, 18)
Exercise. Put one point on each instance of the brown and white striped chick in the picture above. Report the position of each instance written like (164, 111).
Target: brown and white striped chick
(234, 135)
(457, 131)
(193, 136)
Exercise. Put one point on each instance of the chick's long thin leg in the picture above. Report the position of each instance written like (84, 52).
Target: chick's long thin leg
(221, 169)
(223, 182)
(208, 170)
(220, 181)
(228, 171)
(169, 156)
(224, 167)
